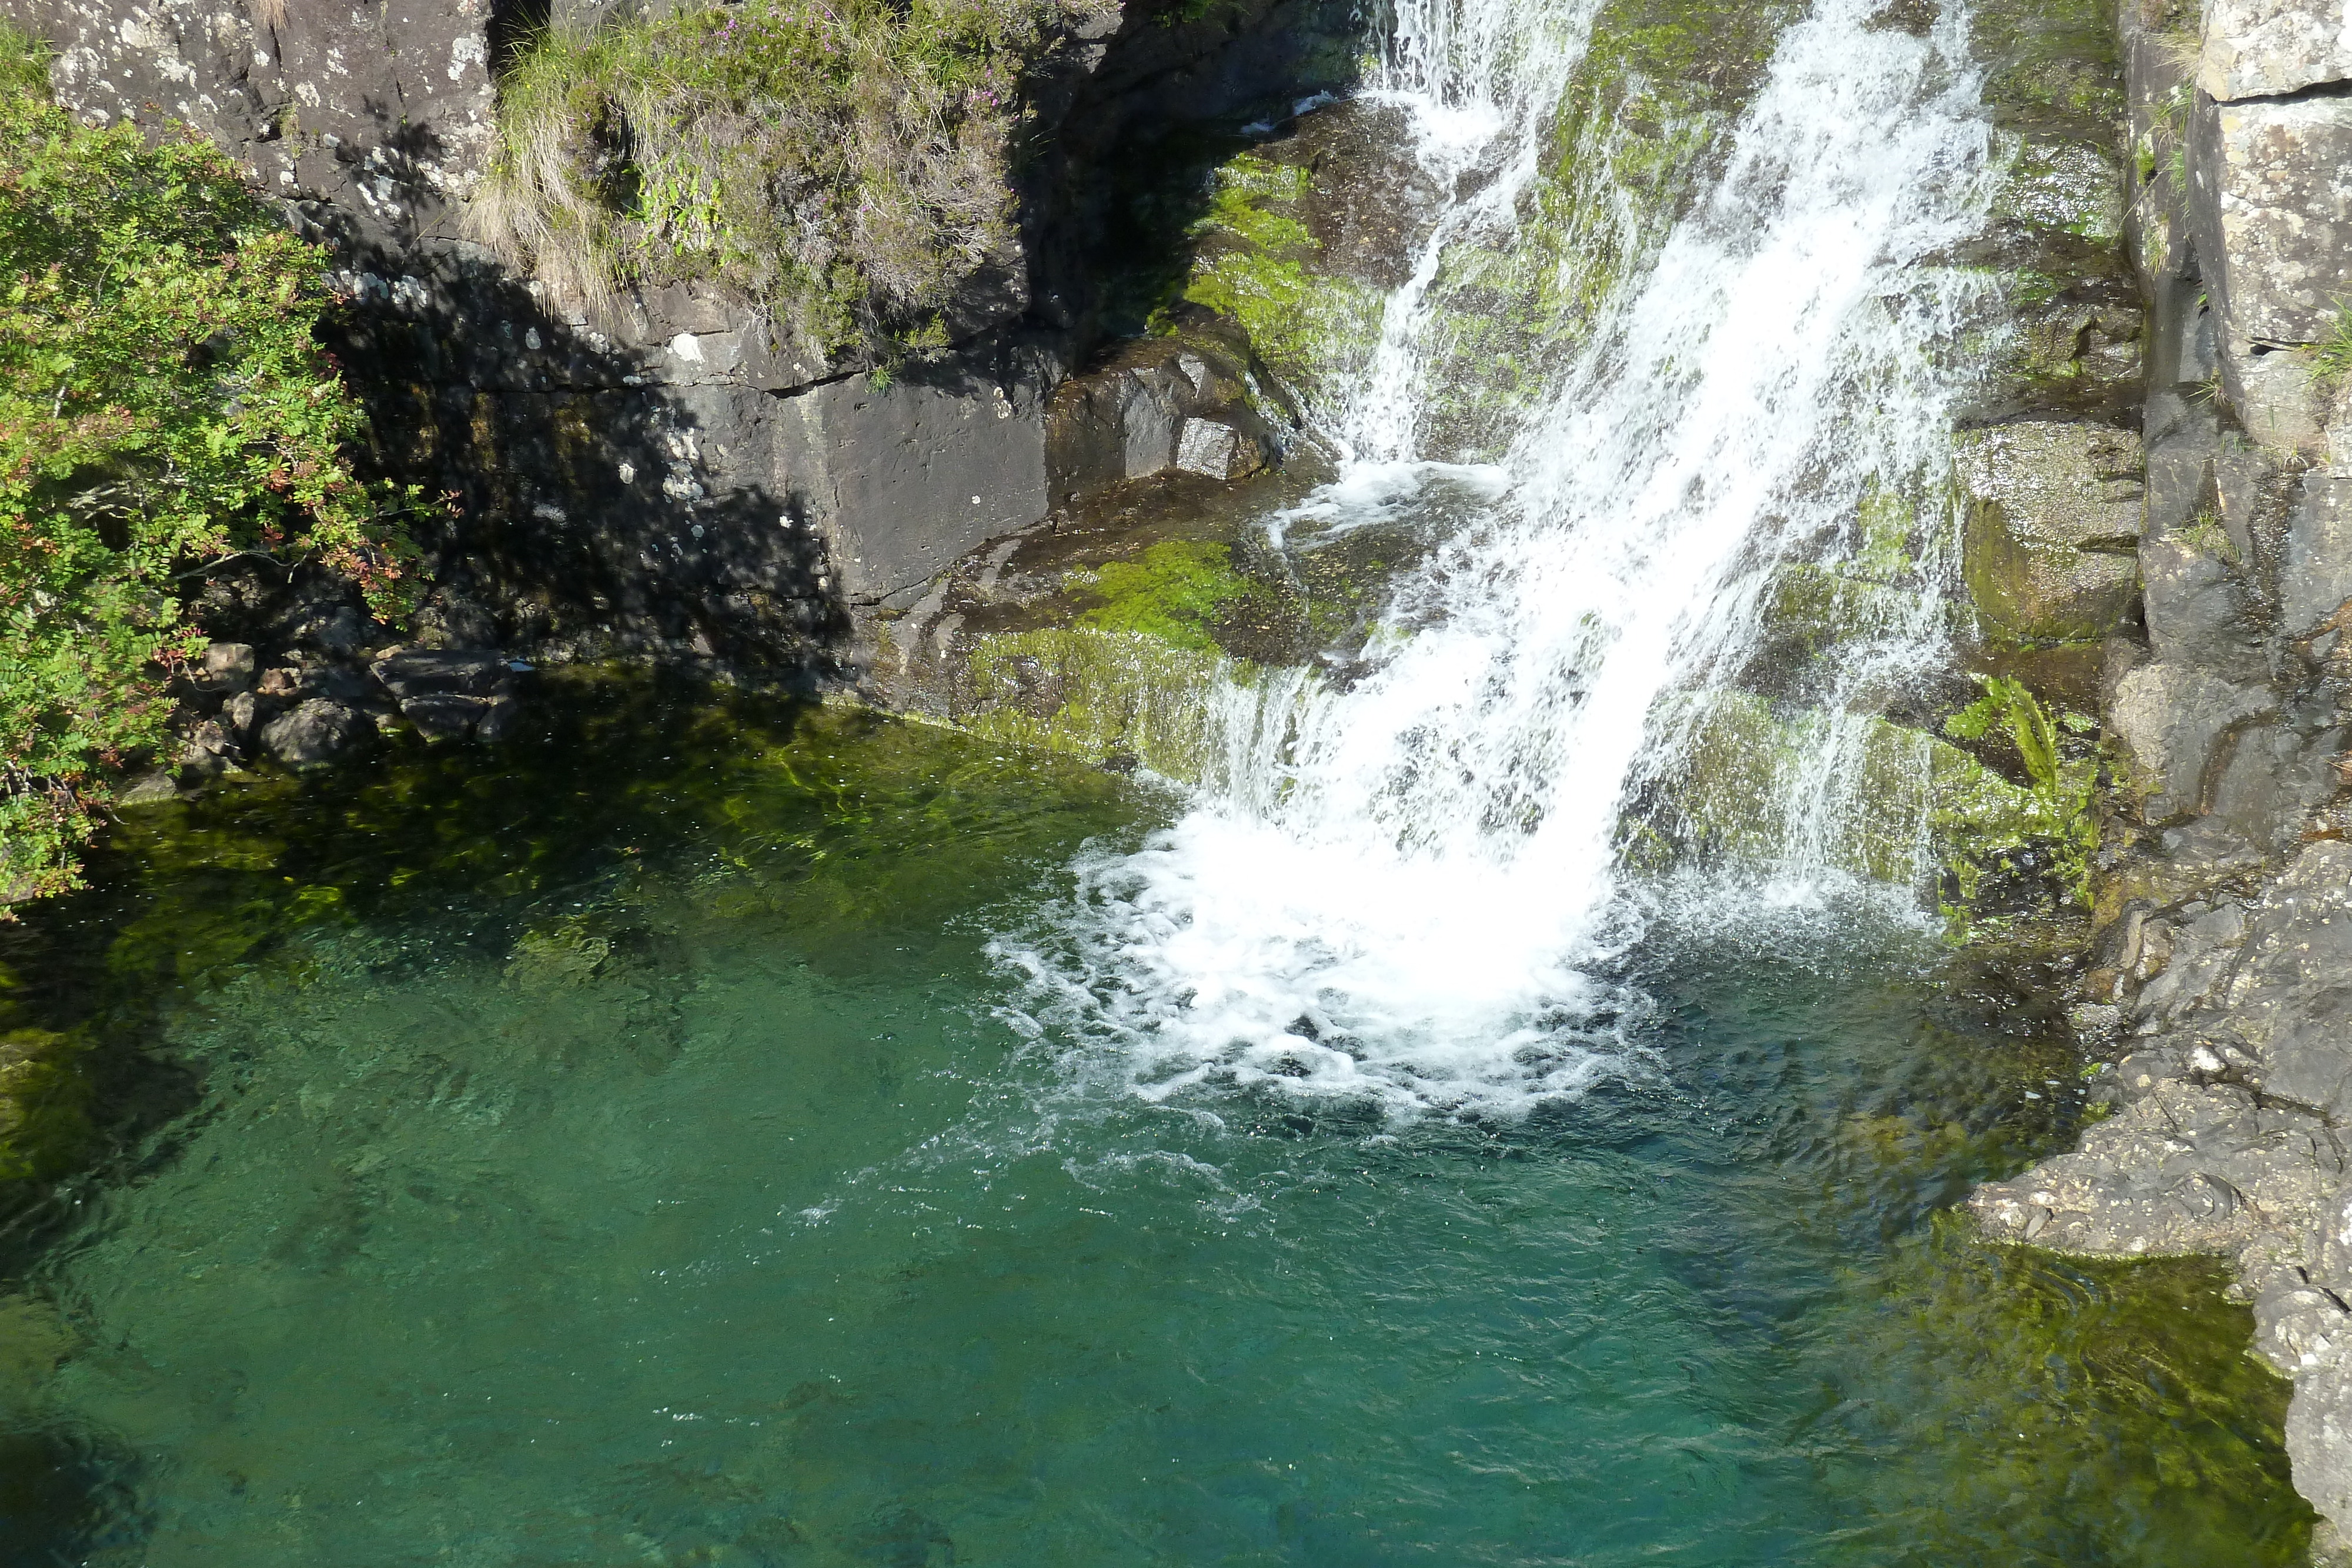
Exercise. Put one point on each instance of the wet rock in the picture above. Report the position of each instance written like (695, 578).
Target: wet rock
(2315, 578)
(1217, 451)
(2172, 720)
(2272, 778)
(2194, 618)
(2053, 514)
(313, 732)
(1157, 405)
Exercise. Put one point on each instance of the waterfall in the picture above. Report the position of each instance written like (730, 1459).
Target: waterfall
(1410, 888)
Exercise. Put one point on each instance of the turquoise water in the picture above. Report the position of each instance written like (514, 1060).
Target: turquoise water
(623, 1150)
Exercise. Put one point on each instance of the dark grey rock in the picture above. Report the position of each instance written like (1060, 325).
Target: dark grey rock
(419, 673)
(2172, 720)
(446, 716)
(499, 718)
(313, 732)
(2194, 617)
(918, 475)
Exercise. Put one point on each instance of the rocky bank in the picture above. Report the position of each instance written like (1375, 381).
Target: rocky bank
(2220, 978)
(673, 476)
(2156, 478)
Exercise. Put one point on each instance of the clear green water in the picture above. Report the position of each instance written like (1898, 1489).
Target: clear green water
(618, 1154)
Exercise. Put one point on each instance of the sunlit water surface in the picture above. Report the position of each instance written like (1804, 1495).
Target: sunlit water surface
(625, 1152)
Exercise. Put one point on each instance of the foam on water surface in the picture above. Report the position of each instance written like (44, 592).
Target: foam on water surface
(1410, 887)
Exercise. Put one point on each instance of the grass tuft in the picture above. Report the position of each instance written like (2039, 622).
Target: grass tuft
(2332, 355)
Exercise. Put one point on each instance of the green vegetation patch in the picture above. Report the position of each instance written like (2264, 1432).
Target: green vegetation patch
(1100, 694)
(163, 409)
(1257, 263)
(1175, 591)
(843, 163)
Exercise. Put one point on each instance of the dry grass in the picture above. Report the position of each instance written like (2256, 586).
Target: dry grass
(843, 163)
(270, 14)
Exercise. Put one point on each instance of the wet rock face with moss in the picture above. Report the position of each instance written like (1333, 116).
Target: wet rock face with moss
(2052, 527)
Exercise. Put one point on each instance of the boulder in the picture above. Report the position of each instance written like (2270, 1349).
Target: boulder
(220, 669)
(1217, 451)
(2261, 48)
(2172, 720)
(2054, 515)
(2272, 219)
(446, 716)
(313, 732)
(419, 673)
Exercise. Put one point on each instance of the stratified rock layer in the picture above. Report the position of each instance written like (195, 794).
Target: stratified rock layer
(2222, 971)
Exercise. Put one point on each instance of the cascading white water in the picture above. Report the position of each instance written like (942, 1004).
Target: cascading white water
(1405, 890)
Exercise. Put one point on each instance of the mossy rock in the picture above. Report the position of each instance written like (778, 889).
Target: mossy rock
(2053, 525)
(1125, 698)
(1913, 804)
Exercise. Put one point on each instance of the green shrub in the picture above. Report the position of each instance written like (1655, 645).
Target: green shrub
(843, 163)
(163, 408)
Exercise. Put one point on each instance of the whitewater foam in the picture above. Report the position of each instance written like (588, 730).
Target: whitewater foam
(1411, 890)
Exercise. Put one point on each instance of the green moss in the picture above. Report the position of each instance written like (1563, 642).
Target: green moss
(1099, 694)
(1175, 591)
(2071, 187)
(1917, 802)
(1257, 262)
(2021, 1367)
(44, 1125)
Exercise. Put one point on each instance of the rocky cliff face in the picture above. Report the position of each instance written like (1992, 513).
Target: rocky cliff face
(2222, 974)
(674, 478)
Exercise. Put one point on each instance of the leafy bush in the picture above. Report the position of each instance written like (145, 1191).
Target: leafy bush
(844, 162)
(163, 408)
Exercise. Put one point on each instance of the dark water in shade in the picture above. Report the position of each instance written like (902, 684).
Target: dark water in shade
(616, 1154)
